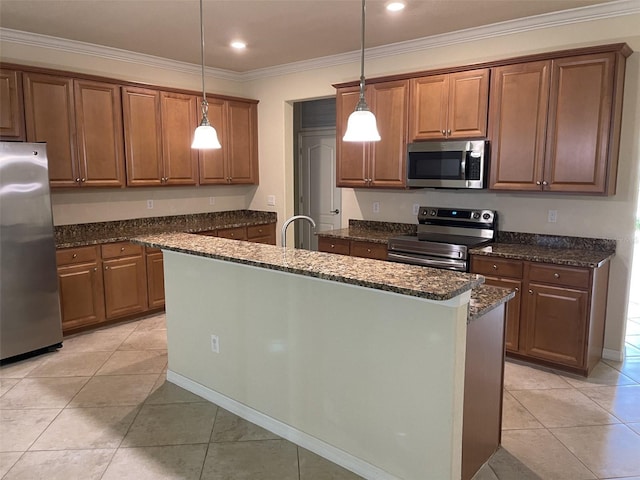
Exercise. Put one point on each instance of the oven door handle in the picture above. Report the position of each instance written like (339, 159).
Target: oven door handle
(449, 264)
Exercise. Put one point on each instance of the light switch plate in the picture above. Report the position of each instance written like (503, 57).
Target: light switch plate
(271, 200)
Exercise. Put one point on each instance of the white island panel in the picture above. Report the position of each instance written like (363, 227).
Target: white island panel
(370, 379)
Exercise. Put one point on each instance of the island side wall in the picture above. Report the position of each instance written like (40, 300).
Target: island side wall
(369, 379)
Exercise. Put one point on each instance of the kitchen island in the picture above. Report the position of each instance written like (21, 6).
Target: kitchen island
(361, 361)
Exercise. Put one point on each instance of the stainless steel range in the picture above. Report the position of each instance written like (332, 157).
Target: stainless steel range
(444, 237)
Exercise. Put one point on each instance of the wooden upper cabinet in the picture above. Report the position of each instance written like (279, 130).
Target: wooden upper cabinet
(180, 161)
(374, 164)
(351, 168)
(449, 106)
(579, 127)
(11, 111)
(518, 121)
(98, 110)
(236, 123)
(389, 102)
(142, 136)
(49, 117)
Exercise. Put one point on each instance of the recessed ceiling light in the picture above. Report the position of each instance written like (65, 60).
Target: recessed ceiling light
(238, 45)
(395, 6)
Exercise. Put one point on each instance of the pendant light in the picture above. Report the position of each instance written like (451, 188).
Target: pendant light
(361, 126)
(205, 136)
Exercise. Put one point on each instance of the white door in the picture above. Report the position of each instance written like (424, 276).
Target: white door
(319, 197)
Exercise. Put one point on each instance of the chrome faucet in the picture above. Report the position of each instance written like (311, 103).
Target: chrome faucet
(286, 224)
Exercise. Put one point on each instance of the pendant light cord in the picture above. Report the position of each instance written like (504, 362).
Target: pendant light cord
(362, 104)
(205, 104)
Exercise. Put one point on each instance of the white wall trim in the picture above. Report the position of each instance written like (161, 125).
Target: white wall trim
(565, 17)
(615, 355)
(287, 432)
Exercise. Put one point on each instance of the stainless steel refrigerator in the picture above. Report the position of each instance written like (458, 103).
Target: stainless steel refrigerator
(29, 302)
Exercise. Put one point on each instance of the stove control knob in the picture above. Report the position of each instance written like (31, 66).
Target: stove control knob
(476, 215)
(486, 216)
(432, 213)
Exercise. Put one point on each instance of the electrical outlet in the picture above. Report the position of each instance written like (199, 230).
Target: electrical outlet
(149, 204)
(271, 200)
(212, 200)
(215, 344)
(416, 208)
(376, 207)
(552, 216)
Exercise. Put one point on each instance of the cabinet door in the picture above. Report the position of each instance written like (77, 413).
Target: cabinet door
(125, 286)
(236, 233)
(142, 136)
(377, 251)
(578, 131)
(180, 161)
(242, 144)
(81, 295)
(213, 169)
(512, 311)
(11, 111)
(155, 279)
(262, 233)
(49, 117)
(98, 110)
(389, 103)
(556, 324)
(518, 121)
(468, 103)
(351, 166)
(428, 110)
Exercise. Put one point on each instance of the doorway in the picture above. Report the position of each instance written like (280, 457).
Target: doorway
(315, 170)
(632, 337)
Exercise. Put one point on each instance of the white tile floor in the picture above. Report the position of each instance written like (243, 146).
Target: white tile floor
(100, 408)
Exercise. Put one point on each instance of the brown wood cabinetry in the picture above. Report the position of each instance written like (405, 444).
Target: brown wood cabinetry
(81, 121)
(80, 287)
(125, 279)
(356, 248)
(555, 124)
(262, 233)
(236, 233)
(158, 130)
(11, 111)
(374, 164)
(558, 315)
(449, 106)
(236, 123)
(155, 277)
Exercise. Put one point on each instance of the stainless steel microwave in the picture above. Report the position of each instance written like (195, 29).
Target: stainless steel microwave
(449, 164)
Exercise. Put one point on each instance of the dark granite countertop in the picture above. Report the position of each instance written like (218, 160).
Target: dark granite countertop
(485, 298)
(369, 231)
(536, 253)
(122, 230)
(400, 278)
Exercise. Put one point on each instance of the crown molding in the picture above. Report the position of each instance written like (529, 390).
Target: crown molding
(565, 17)
(83, 48)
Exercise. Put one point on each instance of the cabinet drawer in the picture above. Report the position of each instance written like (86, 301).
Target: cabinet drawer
(71, 256)
(255, 231)
(557, 275)
(152, 250)
(238, 233)
(333, 245)
(209, 233)
(369, 250)
(120, 249)
(496, 267)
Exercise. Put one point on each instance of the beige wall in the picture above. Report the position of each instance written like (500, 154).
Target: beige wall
(610, 217)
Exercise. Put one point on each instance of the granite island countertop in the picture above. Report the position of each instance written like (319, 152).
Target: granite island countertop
(485, 298)
(122, 230)
(423, 282)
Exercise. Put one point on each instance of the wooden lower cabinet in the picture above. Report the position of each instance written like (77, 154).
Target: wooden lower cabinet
(355, 248)
(125, 279)
(264, 233)
(558, 315)
(80, 287)
(155, 277)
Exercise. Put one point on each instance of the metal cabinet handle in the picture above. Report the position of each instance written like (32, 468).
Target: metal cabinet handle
(495, 267)
(545, 183)
(333, 245)
(83, 179)
(556, 275)
(448, 132)
(95, 269)
(106, 267)
(78, 180)
(335, 212)
(122, 249)
(75, 255)
(368, 250)
(517, 289)
(538, 183)
(531, 291)
(444, 133)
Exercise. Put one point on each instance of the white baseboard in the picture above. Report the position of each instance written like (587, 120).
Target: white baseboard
(615, 355)
(331, 453)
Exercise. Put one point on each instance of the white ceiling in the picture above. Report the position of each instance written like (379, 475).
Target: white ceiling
(277, 32)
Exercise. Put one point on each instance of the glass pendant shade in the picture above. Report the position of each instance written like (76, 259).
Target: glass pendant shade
(205, 138)
(361, 127)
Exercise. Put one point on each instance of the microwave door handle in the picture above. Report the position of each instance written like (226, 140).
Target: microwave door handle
(463, 165)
